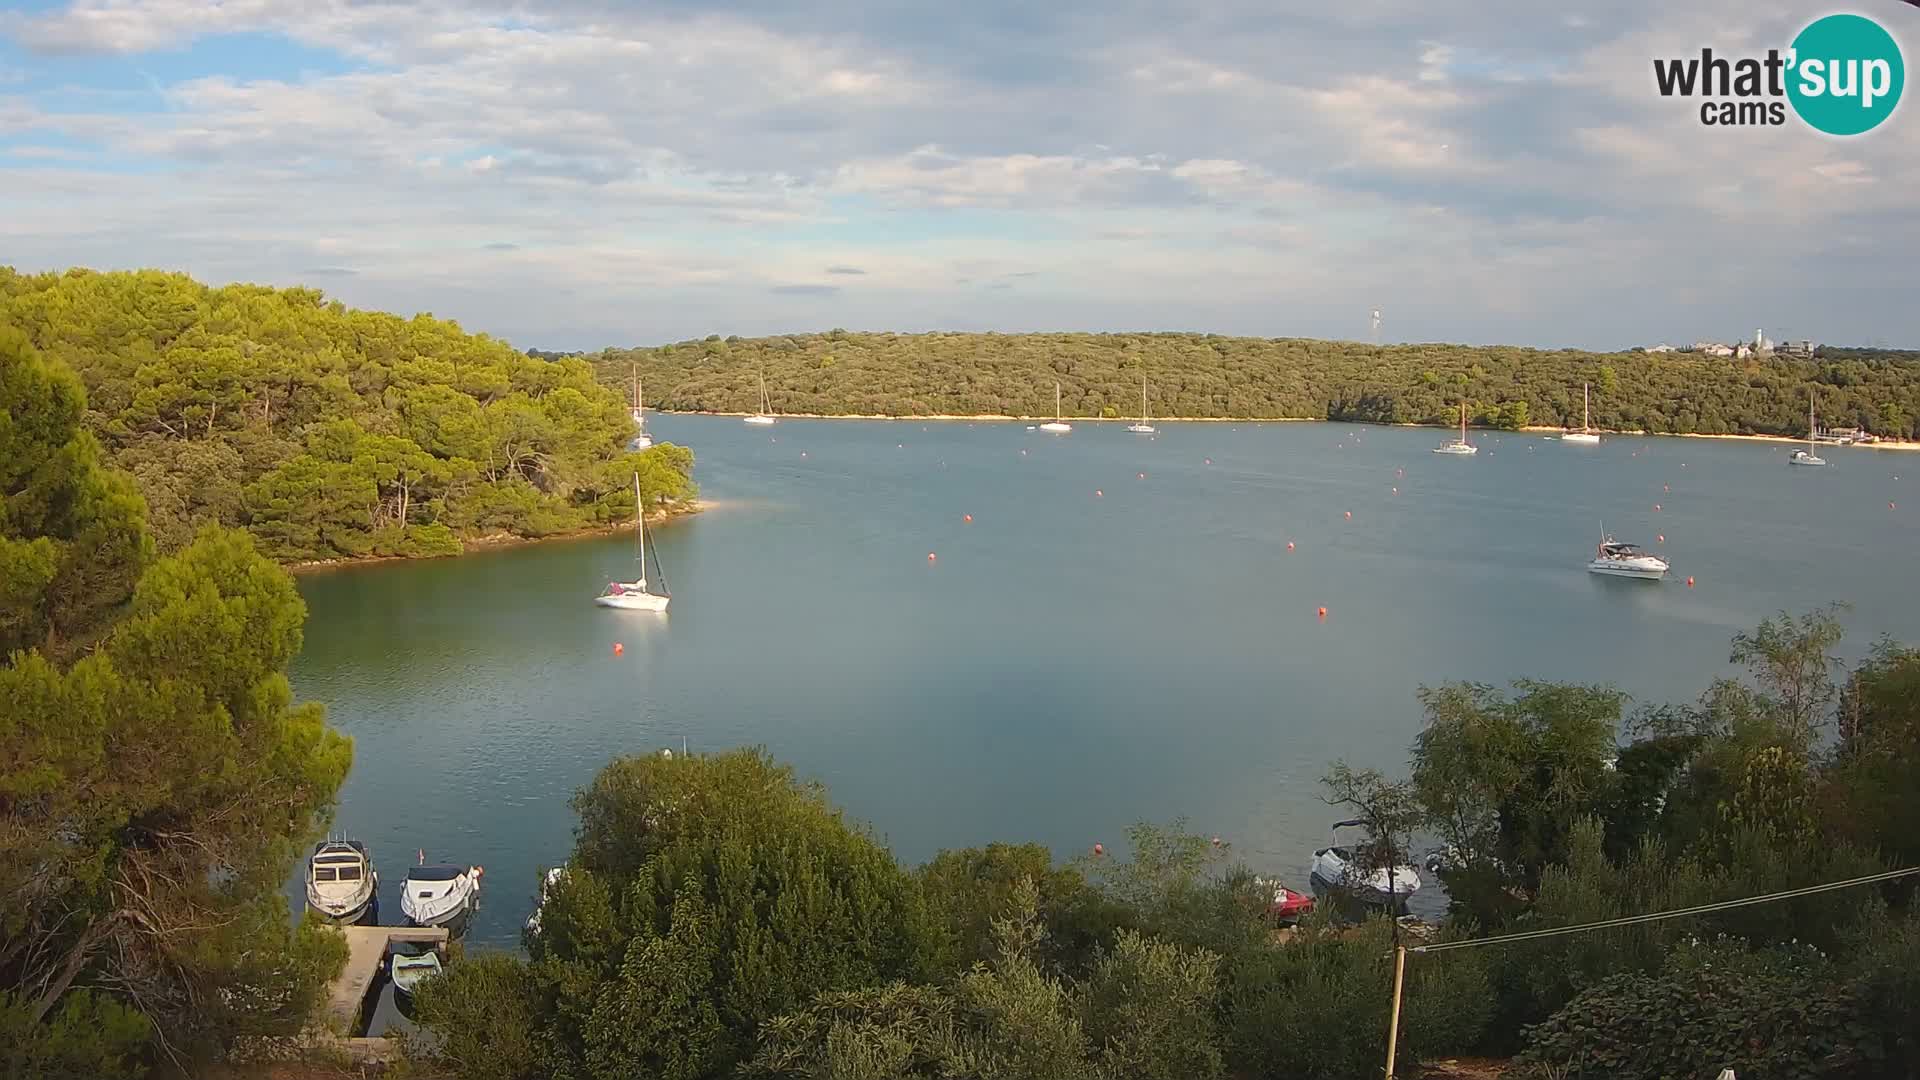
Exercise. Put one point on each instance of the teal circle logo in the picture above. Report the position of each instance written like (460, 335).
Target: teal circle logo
(1846, 74)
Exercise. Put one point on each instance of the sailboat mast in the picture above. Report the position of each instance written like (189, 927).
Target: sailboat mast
(1143, 399)
(1586, 415)
(640, 524)
(1056, 402)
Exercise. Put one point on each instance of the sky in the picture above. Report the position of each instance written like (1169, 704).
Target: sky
(573, 175)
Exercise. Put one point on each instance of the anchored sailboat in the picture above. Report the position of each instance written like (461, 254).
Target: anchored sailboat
(1459, 445)
(637, 595)
(1585, 435)
(1058, 425)
(642, 440)
(1807, 456)
(766, 407)
(1143, 427)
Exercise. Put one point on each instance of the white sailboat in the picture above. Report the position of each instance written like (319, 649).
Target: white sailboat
(1585, 435)
(642, 440)
(1459, 445)
(1807, 456)
(1058, 425)
(1143, 427)
(636, 595)
(764, 415)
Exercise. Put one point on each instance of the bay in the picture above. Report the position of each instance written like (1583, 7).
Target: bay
(1096, 647)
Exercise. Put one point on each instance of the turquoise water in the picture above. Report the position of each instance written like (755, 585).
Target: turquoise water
(1071, 662)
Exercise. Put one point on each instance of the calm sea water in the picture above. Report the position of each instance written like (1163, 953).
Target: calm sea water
(1095, 648)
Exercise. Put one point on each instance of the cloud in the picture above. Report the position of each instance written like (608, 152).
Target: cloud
(1277, 168)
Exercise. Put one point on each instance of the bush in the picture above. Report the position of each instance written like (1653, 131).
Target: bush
(88, 1037)
(1319, 1004)
(1779, 1012)
(483, 1016)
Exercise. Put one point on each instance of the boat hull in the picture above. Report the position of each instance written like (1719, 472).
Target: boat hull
(1807, 461)
(1580, 438)
(1056, 428)
(1643, 573)
(1458, 451)
(759, 420)
(1365, 895)
(633, 602)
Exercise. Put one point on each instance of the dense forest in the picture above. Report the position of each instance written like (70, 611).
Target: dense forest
(1205, 375)
(718, 917)
(328, 432)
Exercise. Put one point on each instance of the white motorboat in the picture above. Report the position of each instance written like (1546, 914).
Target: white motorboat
(1626, 560)
(440, 895)
(408, 970)
(1585, 435)
(765, 415)
(1807, 456)
(638, 595)
(1459, 445)
(1335, 871)
(1142, 427)
(642, 440)
(341, 883)
(546, 888)
(1058, 425)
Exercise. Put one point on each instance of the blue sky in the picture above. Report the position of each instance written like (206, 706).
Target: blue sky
(572, 174)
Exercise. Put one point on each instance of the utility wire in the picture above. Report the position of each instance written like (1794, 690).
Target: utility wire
(1656, 916)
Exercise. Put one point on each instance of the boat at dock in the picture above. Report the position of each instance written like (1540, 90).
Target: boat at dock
(440, 894)
(341, 882)
(1337, 871)
(407, 970)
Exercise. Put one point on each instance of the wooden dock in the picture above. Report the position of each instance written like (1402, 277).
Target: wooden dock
(367, 948)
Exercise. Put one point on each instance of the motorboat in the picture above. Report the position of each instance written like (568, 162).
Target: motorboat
(440, 894)
(408, 970)
(1056, 425)
(1459, 445)
(1626, 560)
(638, 595)
(1335, 871)
(546, 889)
(1142, 427)
(341, 883)
(765, 415)
(1585, 435)
(1284, 905)
(1807, 456)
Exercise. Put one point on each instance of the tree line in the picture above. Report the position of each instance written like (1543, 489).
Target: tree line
(718, 917)
(329, 432)
(1208, 375)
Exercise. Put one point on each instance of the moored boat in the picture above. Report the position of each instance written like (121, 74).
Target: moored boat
(408, 970)
(440, 895)
(341, 883)
(1336, 870)
(1626, 560)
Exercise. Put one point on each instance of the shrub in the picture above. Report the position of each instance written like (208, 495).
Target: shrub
(483, 1016)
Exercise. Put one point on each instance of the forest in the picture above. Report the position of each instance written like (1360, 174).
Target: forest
(333, 433)
(1206, 375)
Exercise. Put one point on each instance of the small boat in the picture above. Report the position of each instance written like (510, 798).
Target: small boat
(1807, 456)
(1334, 871)
(1142, 427)
(546, 888)
(1056, 425)
(1459, 445)
(1284, 905)
(764, 416)
(637, 595)
(409, 970)
(1585, 435)
(440, 895)
(341, 883)
(642, 440)
(1626, 560)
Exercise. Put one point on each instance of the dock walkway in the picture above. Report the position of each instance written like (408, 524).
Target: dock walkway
(366, 950)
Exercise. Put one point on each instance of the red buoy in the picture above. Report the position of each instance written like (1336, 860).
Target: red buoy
(1666, 488)
(1289, 545)
(931, 556)
(1323, 613)
(1689, 583)
(1098, 493)
(1349, 515)
(968, 518)
(1143, 476)
(1099, 850)
(1656, 508)
(618, 648)
(1660, 539)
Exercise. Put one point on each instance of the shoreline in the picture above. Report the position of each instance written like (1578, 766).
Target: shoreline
(494, 541)
(1530, 429)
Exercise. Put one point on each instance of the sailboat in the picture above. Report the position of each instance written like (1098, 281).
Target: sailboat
(763, 416)
(1459, 445)
(642, 440)
(1057, 425)
(635, 595)
(1143, 427)
(1585, 435)
(1807, 456)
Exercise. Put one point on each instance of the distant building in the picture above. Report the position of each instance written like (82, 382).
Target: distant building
(1712, 348)
(1744, 350)
(1662, 347)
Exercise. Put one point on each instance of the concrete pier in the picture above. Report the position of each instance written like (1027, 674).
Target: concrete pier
(367, 948)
